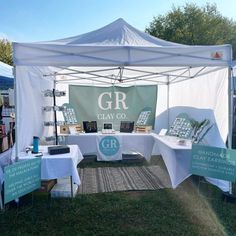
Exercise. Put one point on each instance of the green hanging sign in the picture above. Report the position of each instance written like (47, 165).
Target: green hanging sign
(219, 163)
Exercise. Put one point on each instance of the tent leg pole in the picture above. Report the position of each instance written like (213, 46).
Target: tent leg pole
(16, 116)
(71, 187)
(168, 101)
(230, 107)
(55, 113)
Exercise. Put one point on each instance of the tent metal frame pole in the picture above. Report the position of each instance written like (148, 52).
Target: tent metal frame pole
(193, 77)
(168, 101)
(16, 116)
(80, 78)
(76, 71)
(55, 113)
(230, 104)
(230, 107)
(148, 73)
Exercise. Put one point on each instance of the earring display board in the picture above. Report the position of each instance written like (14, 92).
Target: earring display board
(200, 130)
(181, 127)
(144, 116)
(69, 114)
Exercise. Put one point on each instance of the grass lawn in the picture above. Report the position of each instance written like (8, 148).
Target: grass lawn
(182, 211)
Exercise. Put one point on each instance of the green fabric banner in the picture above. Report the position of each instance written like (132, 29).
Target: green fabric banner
(113, 104)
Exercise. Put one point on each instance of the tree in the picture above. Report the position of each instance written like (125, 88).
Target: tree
(6, 51)
(194, 25)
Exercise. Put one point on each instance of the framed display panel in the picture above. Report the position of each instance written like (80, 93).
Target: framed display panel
(90, 126)
(127, 126)
(107, 126)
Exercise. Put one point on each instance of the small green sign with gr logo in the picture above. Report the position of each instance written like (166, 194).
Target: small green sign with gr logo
(21, 178)
(219, 163)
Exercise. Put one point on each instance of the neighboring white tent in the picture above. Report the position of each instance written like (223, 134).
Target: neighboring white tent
(6, 76)
(196, 79)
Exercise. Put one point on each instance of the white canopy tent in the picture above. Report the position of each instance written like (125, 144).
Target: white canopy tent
(196, 79)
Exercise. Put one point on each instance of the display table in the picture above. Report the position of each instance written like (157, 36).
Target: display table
(176, 157)
(58, 166)
(5, 159)
(129, 142)
(52, 166)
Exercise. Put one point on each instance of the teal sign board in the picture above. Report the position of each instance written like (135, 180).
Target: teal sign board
(109, 146)
(219, 163)
(112, 104)
(21, 178)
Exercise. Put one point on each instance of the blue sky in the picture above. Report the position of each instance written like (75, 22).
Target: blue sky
(39, 20)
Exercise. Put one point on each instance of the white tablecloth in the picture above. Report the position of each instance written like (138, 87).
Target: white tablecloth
(131, 143)
(177, 157)
(58, 166)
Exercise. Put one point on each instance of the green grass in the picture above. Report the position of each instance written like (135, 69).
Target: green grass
(183, 211)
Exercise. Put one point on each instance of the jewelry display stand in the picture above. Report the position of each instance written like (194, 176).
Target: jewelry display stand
(54, 93)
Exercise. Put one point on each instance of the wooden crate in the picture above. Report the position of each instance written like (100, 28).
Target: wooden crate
(143, 129)
(47, 185)
(77, 127)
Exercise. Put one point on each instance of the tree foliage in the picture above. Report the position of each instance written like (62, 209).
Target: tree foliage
(6, 51)
(194, 25)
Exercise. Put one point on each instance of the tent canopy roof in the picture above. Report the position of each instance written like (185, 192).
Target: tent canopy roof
(117, 33)
(6, 76)
(118, 44)
(119, 53)
(6, 70)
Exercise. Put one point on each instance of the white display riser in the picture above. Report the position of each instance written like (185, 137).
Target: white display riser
(63, 188)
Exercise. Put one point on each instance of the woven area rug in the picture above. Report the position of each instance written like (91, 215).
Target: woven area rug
(109, 179)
